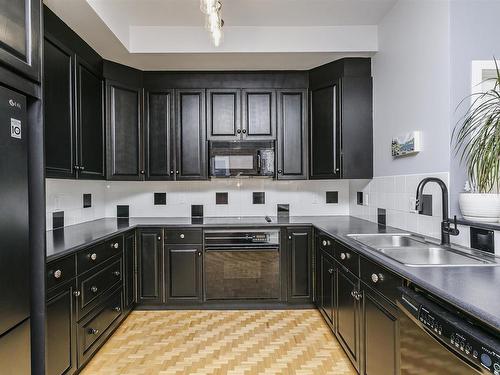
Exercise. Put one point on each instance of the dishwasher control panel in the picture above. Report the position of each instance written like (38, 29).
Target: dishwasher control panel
(474, 345)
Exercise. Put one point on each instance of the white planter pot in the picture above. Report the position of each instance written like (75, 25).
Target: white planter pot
(483, 208)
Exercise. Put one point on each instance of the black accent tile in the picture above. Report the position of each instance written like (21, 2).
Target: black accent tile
(482, 239)
(283, 210)
(359, 198)
(381, 216)
(221, 198)
(57, 219)
(196, 210)
(122, 211)
(332, 197)
(87, 200)
(259, 197)
(160, 199)
(426, 205)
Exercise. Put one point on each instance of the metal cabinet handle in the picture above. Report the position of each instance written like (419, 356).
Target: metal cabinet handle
(376, 278)
(330, 270)
(116, 273)
(57, 274)
(92, 331)
(93, 256)
(77, 293)
(93, 289)
(182, 235)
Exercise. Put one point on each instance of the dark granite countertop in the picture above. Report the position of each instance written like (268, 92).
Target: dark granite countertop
(471, 289)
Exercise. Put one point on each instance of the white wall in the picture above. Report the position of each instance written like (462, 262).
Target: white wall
(304, 198)
(412, 86)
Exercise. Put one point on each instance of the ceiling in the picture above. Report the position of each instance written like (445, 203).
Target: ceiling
(259, 34)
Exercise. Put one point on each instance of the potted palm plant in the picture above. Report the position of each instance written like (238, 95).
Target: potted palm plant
(477, 141)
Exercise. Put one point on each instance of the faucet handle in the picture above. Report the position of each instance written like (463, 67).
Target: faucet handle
(454, 231)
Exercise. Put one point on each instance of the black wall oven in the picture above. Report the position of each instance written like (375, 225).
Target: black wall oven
(242, 265)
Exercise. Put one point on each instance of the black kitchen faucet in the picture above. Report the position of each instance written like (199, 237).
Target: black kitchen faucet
(446, 229)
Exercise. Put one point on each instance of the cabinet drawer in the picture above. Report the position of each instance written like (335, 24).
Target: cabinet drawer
(326, 244)
(185, 236)
(92, 331)
(93, 286)
(348, 258)
(59, 271)
(95, 255)
(380, 279)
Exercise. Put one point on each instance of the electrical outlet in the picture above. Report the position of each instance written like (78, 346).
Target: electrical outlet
(412, 203)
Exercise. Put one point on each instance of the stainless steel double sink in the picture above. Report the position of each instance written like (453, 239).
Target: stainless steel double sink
(415, 251)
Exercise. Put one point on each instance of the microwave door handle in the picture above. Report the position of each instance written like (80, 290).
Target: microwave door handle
(259, 162)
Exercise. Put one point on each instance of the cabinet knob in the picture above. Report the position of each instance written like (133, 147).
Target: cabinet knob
(323, 243)
(337, 170)
(176, 172)
(57, 274)
(199, 253)
(92, 331)
(76, 167)
(376, 278)
(238, 131)
(142, 171)
(244, 131)
(93, 256)
(115, 245)
(280, 171)
(345, 256)
(82, 168)
(182, 235)
(117, 309)
(289, 237)
(93, 289)
(171, 171)
(353, 294)
(77, 293)
(159, 238)
(330, 270)
(116, 273)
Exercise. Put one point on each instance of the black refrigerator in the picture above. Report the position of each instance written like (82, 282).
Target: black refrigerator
(14, 235)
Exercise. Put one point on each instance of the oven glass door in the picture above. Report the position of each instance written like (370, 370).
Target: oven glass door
(242, 273)
(423, 354)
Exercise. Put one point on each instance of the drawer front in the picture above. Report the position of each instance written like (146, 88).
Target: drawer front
(348, 258)
(184, 236)
(96, 255)
(91, 330)
(326, 244)
(380, 279)
(99, 282)
(60, 271)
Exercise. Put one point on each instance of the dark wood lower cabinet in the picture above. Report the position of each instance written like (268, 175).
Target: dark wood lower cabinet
(348, 314)
(148, 262)
(379, 334)
(130, 270)
(183, 273)
(327, 288)
(299, 251)
(61, 330)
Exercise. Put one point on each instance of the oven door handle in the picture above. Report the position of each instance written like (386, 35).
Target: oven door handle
(232, 249)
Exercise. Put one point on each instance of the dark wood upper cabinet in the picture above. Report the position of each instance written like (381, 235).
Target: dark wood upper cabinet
(20, 30)
(224, 114)
(90, 122)
(341, 126)
(259, 114)
(191, 158)
(160, 141)
(292, 135)
(60, 130)
(124, 138)
(299, 253)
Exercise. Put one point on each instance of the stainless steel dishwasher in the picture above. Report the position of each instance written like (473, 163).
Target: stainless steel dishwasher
(436, 341)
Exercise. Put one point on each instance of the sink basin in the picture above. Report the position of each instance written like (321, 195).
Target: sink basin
(414, 251)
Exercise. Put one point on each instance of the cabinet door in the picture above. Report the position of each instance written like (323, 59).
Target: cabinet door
(327, 300)
(182, 270)
(129, 267)
(292, 135)
(90, 122)
(325, 134)
(259, 114)
(160, 136)
(150, 245)
(299, 262)
(124, 152)
(348, 314)
(379, 335)
(60, 134)
(224, 114)
(20, 31)
(191, 159)
(61, 330)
